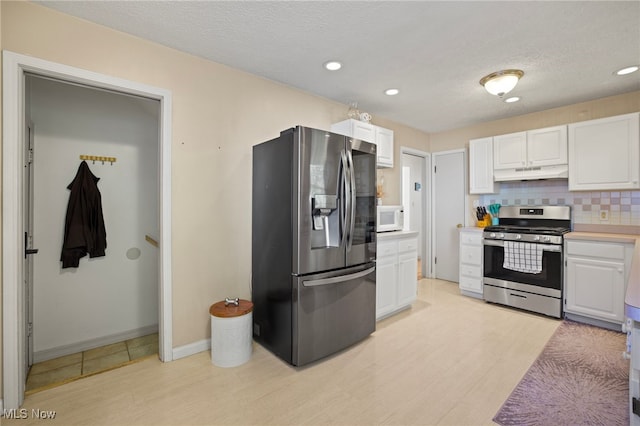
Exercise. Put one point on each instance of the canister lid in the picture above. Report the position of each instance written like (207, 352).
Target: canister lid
(229, 311)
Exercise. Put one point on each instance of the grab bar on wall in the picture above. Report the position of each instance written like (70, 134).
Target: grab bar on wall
(151, 241)
(95, 158)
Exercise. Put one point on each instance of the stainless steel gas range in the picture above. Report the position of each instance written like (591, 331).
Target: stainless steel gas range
(523, 258)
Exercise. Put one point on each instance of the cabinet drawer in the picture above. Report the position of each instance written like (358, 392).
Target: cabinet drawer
(471, 238)
(387, 248)
(472, 284)
(471, 255)
(470, 271)
(410, 244)
(595, 249)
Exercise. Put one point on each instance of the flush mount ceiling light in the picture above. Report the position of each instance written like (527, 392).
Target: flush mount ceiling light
(502, 82)
(627, 70)
(391, 92)
(333, 65)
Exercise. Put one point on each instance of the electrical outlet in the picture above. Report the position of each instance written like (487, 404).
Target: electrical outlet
(604, 215)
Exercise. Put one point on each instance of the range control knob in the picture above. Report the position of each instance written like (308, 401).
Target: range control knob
(547, 239)
(536, 238)
(492, 235)
(501, 235)
(518, 237)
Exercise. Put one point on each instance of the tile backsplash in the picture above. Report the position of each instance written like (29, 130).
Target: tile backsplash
(621, 207)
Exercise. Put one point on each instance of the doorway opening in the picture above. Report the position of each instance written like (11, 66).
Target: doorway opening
(83, 319)
(416, 194)
(15, 327)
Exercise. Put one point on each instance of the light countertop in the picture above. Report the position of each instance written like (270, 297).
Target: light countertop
(602, 236)
(472, 228)
(381, 236)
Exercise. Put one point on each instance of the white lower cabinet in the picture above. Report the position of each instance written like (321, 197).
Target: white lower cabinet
(396, 273)
(596, 274)
(470, 280)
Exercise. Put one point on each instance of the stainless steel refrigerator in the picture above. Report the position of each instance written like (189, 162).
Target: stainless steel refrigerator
(313, 243)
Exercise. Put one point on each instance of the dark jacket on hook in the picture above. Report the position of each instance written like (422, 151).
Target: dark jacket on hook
(84, 230)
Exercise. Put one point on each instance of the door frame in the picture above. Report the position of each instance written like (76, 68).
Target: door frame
(465, 184)
(13, 101)
(426, 200)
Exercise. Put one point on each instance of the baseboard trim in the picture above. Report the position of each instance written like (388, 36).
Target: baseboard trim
(1, 408)
(593, 321)
(191, 349)
(73, 348)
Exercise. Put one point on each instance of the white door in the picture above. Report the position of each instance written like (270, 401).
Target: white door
(27, 288)
(449, 179)
(415, 189)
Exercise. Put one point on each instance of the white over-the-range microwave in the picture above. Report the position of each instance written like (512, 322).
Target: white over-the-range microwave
(390, 218)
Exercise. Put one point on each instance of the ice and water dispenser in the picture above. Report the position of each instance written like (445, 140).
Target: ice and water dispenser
(326, 221)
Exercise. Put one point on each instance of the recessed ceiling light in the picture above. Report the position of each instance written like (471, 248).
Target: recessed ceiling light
(512, 99)
(333, 65)
(391, 92)
(627, 70)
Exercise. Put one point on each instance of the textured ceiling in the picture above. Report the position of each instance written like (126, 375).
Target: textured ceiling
(434, 52)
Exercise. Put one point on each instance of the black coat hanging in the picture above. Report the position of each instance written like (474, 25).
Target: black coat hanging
(84, 230)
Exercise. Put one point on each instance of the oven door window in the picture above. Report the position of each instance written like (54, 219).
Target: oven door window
(550, 277)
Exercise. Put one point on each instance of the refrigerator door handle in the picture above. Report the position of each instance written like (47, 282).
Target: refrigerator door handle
(345, 204)
(351, 211)
(341, 278)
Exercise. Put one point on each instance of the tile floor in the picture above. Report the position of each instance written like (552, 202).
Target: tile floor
(54, 372)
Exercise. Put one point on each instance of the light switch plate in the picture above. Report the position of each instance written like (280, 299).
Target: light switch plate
(604, 215)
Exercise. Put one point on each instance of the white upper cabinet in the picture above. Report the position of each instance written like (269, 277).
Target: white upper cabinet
(384, 142)
(534, 148)
(481, 166)
(604, 154)
(383, 138)
(510, 151)
(547, 147)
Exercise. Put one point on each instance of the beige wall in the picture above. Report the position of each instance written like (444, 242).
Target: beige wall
(218, 114)
(404, 137)
(605, 107)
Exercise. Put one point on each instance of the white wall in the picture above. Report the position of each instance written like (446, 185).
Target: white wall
(113, 294)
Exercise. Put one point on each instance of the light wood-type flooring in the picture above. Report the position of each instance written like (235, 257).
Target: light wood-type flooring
(449, 360)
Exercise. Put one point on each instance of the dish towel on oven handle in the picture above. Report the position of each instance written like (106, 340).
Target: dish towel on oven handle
(523, 257)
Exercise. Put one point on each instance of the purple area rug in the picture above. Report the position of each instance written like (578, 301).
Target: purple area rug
(580, 378)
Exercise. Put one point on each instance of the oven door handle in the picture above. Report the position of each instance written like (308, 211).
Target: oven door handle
(545, 247)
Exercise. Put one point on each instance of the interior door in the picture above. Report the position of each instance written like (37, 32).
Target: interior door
(449, 179)
(27, 287)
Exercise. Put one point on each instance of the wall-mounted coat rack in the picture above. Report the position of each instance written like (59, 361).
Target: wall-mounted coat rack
(95, 158)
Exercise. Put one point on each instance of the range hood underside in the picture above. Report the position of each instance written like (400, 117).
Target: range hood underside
(532, 173)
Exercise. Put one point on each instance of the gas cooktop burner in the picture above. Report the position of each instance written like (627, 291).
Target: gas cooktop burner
(543, 230)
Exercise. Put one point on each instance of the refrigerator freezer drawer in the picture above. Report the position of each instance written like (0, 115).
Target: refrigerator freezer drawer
(332, 311)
